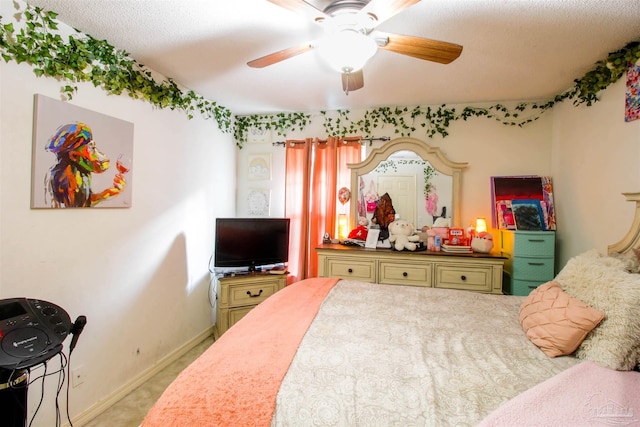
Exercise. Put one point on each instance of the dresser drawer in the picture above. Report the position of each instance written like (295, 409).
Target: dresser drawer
(235, 314)
(251, 293)
(525, 268)
(524, 287)
(534, 243)
(393, 273)
(350, 269)
(478, 278)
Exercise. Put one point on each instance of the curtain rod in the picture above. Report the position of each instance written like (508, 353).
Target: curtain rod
(370, 140)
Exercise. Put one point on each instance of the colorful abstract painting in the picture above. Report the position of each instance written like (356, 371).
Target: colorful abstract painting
(81, 158)
(632, 102)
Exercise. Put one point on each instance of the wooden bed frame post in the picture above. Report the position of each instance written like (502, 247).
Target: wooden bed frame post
(632, 238)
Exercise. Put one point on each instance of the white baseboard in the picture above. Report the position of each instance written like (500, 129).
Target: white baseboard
(104, 404)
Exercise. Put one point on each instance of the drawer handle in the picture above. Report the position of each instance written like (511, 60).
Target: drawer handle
(463, 277)
(536, 240)
(350, 270)
(254, 295)
(536, 263)
(405, 274)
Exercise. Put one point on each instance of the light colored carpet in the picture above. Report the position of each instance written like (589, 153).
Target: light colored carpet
(130, 411)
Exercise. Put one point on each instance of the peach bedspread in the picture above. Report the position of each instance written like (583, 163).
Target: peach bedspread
(255, 359)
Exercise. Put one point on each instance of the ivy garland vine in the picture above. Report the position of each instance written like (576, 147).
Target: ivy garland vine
(82, 58)
(429, 172)
(436, 120)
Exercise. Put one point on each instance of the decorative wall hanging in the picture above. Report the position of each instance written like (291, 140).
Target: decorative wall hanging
(259, 167)
(256, 135)
(258, 201)
(81, 158)
(632, 100)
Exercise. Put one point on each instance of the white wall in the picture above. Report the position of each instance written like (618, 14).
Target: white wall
(596, 157)
(489, 147)
(591, 153)
(140, 275)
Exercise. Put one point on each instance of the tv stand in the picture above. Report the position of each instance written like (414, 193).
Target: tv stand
(237, 295)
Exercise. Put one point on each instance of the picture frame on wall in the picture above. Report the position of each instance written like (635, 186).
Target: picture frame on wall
(527, 215)
(259, 167)
(258, 202)
(80, 158)
(256, 135)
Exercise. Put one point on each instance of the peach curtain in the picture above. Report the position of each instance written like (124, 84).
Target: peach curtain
(298, 158)
(316, 169)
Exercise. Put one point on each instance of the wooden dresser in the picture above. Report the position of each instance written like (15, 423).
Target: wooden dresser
(471, 272)
(237, 295)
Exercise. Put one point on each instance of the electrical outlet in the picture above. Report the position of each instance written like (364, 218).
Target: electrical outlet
(77, 376)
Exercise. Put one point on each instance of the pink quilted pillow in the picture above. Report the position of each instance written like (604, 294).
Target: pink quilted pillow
(555, 321)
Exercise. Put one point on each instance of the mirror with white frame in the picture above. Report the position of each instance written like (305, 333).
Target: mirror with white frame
(422, 182)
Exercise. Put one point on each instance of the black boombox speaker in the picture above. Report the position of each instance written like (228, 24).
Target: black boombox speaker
(31, 331)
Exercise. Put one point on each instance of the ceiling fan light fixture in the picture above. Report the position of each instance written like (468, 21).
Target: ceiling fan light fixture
(347, 51)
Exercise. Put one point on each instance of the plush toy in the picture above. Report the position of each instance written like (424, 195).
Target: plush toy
(483, 242)
(361, 231)
(401, 235)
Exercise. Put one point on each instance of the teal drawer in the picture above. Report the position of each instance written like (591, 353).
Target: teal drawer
(525, 268)
(524, 287)
(534, 243)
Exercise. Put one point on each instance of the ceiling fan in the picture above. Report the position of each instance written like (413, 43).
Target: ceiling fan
(351, 38)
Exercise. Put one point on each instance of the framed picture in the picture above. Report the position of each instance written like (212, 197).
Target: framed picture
(259, 167)
(258, 201)
(258, 136)
(504, 189)
(81, 158)
(527, 215)
(504, 212)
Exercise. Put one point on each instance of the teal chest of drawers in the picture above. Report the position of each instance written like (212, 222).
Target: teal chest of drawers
(530, 259)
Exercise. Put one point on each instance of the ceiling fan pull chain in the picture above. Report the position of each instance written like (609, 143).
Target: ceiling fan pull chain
(346, 89)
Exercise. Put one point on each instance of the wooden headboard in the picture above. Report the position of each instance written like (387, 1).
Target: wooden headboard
(632, 238)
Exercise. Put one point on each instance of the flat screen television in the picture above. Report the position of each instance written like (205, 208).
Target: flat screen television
(251, 242)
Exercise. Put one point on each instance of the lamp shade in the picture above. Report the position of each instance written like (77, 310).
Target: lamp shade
(481, 225)
(342, 226)
(347, 50)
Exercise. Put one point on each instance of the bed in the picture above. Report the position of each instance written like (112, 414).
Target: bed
(332, 352)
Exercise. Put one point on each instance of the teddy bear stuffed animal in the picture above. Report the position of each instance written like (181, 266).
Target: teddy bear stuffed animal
(402, 236)
(361, 231)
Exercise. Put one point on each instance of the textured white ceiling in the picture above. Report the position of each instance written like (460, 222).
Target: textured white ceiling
(513, 49)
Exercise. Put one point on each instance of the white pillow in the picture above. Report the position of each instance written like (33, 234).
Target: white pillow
(603, 283)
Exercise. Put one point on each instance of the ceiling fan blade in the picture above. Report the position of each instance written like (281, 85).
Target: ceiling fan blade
(352, 81)
(385, 9)
(301, 7)
(281, 55)
(417, 47)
